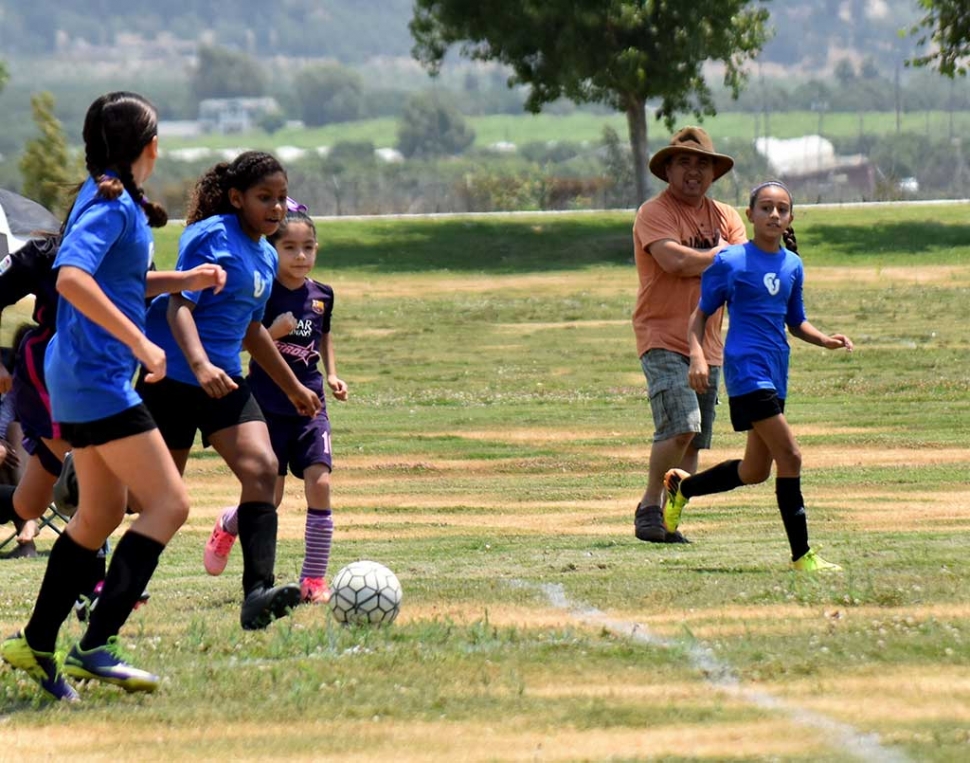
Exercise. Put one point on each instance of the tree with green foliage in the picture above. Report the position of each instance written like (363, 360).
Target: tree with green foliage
(224, 73)
(329, 93)
(946, 26)
(619, 52)
(3, 75)
(46, 166)
(431, 127)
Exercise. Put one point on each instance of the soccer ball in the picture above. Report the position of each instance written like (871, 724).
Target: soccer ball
(364, 593)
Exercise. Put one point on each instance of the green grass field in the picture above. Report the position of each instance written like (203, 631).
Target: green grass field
(491, 454)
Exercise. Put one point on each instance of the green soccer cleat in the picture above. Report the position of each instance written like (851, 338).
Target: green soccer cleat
(812, 562)
(43, 667)
(675, 499)
(106, 663)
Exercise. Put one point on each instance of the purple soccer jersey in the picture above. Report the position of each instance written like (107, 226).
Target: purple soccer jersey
(312, 306)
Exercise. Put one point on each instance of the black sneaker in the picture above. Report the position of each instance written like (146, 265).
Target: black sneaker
(675, 537)
(263, 605)
(648, 524)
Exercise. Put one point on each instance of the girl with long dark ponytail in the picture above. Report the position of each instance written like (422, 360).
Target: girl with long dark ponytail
(119, 455)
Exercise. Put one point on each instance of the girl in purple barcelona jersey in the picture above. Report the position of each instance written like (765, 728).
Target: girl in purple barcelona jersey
(298, 318)
(761, 284)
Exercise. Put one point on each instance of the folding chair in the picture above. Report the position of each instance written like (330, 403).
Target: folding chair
(51, 518)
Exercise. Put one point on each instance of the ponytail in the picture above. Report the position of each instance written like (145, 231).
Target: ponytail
(117, 128)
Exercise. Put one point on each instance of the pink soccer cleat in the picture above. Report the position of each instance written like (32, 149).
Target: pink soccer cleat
(217, 549)
(314, 591)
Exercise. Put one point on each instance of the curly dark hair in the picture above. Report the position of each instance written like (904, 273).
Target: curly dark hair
(117, 127)
(211, 193)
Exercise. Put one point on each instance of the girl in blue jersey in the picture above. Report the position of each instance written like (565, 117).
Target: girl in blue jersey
(298, 317)
(103, 260)
(761, 284)
(233, 208)
(30, 270)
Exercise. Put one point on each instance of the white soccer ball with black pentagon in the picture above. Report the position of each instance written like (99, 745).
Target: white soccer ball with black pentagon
(365, 593)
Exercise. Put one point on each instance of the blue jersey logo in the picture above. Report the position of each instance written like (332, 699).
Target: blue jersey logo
(259, 286)
(772, 284)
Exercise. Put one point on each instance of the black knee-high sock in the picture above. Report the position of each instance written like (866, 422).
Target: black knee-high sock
(257, 538)
(718, 479)
(71, 569)
(788, 490)
(132, 564)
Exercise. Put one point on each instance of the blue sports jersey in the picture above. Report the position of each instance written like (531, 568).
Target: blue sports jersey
(221, 319)
(89, 372)
(763, 294)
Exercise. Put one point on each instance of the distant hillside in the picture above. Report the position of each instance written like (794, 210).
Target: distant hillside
(350, 31)
(809, 34)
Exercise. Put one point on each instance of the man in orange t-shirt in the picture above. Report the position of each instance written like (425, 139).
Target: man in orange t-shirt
(676, 235)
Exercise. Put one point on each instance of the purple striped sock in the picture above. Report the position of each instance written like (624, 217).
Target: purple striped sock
(230, 520)
(319, 534)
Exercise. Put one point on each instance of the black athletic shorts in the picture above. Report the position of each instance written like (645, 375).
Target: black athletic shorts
(755, 406)
(182, 409)
(130, 421)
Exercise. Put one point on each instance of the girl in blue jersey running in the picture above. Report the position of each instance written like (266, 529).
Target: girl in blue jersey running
(298, 317)
(103, 262)
(234, 207)
(761, 284)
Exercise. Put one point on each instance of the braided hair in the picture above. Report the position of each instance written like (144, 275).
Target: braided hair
(788, 237)
(117, 128)
(211, 193)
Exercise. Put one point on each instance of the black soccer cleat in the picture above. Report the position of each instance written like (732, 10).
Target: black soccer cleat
(263, 605)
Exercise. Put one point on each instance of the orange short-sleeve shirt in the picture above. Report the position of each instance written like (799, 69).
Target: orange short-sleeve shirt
(665, 301)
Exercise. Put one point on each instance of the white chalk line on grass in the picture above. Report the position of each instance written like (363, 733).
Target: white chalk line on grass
(720, 674)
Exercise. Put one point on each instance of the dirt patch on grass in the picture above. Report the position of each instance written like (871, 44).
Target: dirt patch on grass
(423, 286)
(878, 276)
(387, 739)
(906, 695)
(731, 620)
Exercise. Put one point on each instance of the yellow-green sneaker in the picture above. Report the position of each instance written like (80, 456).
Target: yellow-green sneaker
(43, 667)
(675, 499)
(812, 562)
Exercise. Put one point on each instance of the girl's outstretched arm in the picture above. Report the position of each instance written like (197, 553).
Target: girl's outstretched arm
(215, 381)
(80, 289)
(808, 333)
(337, 385)
(260, 345)
(208, 275)
(699, 374)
